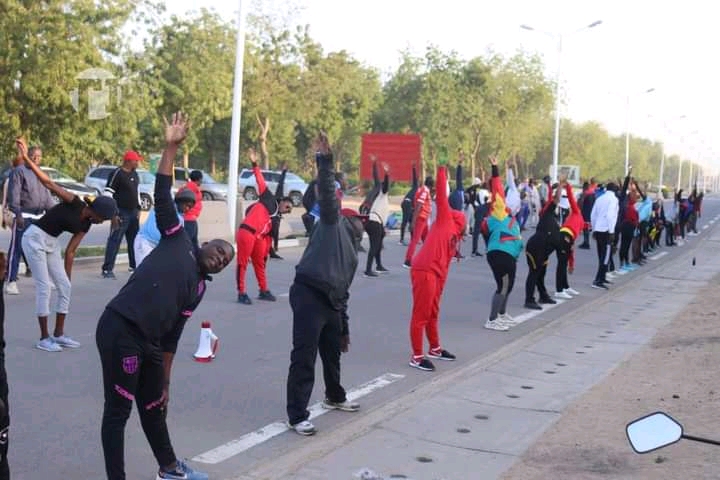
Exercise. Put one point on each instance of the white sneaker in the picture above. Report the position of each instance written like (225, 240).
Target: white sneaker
(49, 345)
(506, 319)
(571, 291)
(496, 325)
(303, 428)
(563, 295)
(11, 288)
(65, 341)
(610, 275)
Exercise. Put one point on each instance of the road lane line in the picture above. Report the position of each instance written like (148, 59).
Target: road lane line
(659, 255)
(705, 227)
(534, 313)
(252, 439)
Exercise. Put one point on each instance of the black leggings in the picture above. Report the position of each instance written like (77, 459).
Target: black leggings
(563, 256)
(407, 214)
(376, 234)
(275, 231)
(537, 267)
(627, 233)
(132, 371)
(504, 267)
(4, 408)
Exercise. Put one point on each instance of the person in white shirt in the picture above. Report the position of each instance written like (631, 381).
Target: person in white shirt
(375, 227)
(603, 219)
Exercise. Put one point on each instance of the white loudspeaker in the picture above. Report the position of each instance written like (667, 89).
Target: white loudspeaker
(208, 345)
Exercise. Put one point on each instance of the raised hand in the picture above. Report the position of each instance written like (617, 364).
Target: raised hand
(493, 160)
(373, 158)
(177, 129)
(322, 144)
(385, 166)
(461, 157)
(284, 166)
(252, 155)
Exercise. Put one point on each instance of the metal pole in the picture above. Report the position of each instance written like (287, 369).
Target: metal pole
(236, 116)
(556, 140)
(662, 167)
(627, 135)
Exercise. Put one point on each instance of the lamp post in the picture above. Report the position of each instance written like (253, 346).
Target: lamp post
(559, 38)
(235, 125)
(662, 148)
(627, 127)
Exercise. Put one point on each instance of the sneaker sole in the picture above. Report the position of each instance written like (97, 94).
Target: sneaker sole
(48, 349)
(305, 433)
(327, 406)
(498, 329)
(421, 367)
(441, 358)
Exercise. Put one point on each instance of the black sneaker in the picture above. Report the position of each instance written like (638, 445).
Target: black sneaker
(244, 298)
(533, 305)
(273, 254)
(477, 254)
(441, 355)
(547, 301)
(361, 249)
(370, 274)
(406, 264)
(267, 296)
(108, 274)
(382, 270)
(422, 364)
(600, 285)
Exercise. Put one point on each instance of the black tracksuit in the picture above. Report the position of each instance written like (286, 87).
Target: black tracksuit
(546, 239)
(407, 205)
(4, 407)
(144, 320)
(276, 219)
(319, 297)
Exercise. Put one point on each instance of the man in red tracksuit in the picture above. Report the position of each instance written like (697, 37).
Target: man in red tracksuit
(570, 230)
(419, 222)
(253, 236)
(428, 274)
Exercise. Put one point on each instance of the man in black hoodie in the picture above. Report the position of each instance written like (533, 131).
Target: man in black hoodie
(319, 300)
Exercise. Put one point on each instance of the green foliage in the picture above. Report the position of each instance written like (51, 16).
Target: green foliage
(292, 88)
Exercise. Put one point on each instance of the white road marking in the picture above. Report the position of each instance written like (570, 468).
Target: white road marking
(534, 313)
(252, 439)
(284, 294)
(659, 255)
(705, 227)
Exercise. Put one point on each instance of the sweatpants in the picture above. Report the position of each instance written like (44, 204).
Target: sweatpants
(561, 271)
(537, 260)
(316, 327)
(376, 234)
(407, 214)
(4, 405)
(604, 252)
(418, 233)
(427, 290)
(43, 255)
(132, 371)
(255, 250)
(504, 267)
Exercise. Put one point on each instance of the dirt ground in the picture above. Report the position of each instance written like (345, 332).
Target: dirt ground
(676, 373)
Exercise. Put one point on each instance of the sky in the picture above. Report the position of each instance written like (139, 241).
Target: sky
(666, 46)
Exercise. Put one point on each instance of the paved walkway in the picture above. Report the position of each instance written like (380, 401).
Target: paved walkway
(480, 420)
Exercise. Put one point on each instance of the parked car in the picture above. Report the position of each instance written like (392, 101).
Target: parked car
(97, 179)
(294, 185)
(62, 179)
(210, 188)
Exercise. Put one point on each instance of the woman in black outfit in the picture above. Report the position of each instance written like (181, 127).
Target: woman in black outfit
(408, 207)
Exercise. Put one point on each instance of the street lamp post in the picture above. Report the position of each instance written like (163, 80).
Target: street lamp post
(556, 137)
(662, 149)
(627, 129)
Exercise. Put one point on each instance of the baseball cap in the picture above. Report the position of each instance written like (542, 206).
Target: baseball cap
(105, 207)
(132, 155)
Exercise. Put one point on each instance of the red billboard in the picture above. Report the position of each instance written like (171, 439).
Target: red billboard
(399, 151)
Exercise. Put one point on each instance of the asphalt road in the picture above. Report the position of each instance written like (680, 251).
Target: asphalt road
(56, 398)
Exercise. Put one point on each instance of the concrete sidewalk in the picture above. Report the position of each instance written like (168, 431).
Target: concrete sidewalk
(478, 421)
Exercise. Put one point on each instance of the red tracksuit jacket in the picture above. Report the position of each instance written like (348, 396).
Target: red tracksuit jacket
(574, 223)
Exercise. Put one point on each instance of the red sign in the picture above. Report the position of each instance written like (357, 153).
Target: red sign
(399, 151)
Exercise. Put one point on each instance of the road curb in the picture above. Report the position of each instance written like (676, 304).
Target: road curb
(322, 445)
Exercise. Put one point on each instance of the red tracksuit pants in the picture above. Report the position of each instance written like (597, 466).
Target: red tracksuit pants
(419, 233)
(427, 288)
(255, 250)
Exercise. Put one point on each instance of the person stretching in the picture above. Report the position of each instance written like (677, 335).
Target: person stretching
(275, 229)
(407, 206)
(420, 217)
(253, 236)
(570, 230)
(428, 274)
(375, 227)
(504, 246)
(537, 252)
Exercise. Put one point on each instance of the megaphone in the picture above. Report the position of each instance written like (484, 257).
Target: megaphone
(208, 345)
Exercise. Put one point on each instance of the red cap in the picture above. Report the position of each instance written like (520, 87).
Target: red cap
(132, 155)
(205, 325)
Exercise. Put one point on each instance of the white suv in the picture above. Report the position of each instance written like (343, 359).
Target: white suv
(294, 185)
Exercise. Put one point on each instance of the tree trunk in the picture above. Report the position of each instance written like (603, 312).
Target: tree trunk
(212, 163)
(262, 137)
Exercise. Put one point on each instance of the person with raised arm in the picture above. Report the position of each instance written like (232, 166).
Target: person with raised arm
(375, 227)
(138, 333)
(277, 219)
(422, 208)
(540, 246)
(42, 248)
(504, 246)
(319, 300)
(407, 206)
(570, 231)
(253, 236)
(428, 274)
